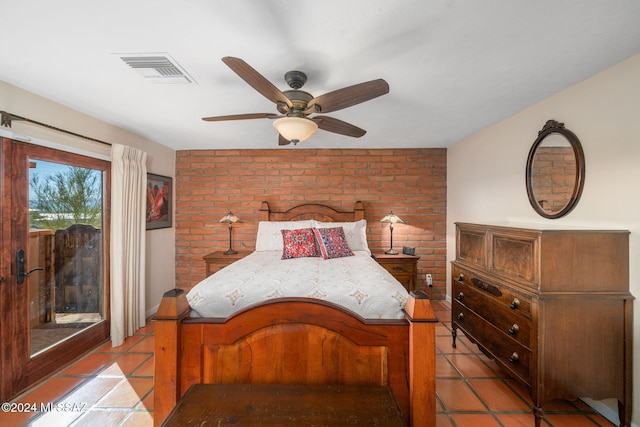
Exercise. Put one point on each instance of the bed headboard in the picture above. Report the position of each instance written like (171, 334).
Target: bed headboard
(315, 211)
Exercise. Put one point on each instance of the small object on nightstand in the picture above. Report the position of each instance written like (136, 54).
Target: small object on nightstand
(230, 219)
(403, 267)
(391, 218)
(408, 250)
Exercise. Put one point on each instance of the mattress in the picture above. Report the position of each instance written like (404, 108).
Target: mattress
(357, 283)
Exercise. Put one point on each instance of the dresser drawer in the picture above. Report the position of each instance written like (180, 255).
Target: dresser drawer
(502, 317)
(516, 301)
(508, 352)
(515, 254)
(471, 245)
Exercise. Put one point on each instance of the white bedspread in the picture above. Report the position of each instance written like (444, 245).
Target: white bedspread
(357, 283)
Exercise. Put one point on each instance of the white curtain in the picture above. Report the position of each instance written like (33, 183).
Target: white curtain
(128, 206)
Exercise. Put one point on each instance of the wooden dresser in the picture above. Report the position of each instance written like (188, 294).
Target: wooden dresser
(403, 267)
(550, 306)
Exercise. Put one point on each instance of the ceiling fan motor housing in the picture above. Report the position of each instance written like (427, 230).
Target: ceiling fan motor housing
(295, 79)
(299, 99)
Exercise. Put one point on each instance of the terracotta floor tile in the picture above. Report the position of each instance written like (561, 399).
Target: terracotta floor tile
(15, 418)
(146, 369)
(569, 420)
(91, 391)
(444, 369)
(471, 366)
(442, 420)
(47, 392)
(443, 344)
(147, 402)
(456, 395)
(128, 343)
(475, 420)
(127, 394)
(498, 396)
(602, 421)
(516, 420)
(139, 419)
(114, 370)
(522, 391)
(442, 330)
(129, 362)
(90, 364)
(50, 390)
(442, 315)
(146, 345)
(100, 418)
(55, 418)
(148, 329)
(440, 305)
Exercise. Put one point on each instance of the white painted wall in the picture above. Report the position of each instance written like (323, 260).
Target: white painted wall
(486, 172)
(160, 272)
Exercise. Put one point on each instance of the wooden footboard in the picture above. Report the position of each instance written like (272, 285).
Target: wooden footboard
(297, 341)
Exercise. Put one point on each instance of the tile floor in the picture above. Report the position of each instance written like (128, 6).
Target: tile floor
(107, 387)
(114, 387)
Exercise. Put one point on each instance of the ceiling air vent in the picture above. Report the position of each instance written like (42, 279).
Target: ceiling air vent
(157, 68)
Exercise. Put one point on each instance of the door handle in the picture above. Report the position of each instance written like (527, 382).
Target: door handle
(20, 267)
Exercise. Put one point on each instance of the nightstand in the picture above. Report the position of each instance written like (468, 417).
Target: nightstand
(403, 267)
(217, 260)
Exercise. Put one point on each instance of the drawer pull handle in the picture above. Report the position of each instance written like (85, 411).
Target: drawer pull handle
(460, 296)
(460, 277)
(514, 357)
(460, 316)
(514, 329)
(515, 304)
(486, 287)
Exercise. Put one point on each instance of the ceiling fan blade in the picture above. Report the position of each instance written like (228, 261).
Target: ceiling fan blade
(256, 80)
(282, 140)
(241, 117)
(348, 96)
(338, 126)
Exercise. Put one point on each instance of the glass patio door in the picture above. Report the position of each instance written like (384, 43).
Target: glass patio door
(55, 260)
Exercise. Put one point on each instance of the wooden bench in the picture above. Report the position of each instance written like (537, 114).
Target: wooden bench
(285, 405)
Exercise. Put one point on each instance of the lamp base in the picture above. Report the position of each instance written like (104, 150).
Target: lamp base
(391, 252)
(230, 252)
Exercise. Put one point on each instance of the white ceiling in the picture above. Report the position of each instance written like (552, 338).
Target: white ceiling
(454, 67)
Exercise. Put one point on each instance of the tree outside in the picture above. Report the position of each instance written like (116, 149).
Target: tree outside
(66, 195)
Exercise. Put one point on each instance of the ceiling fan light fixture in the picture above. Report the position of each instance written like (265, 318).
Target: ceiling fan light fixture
(295, 129)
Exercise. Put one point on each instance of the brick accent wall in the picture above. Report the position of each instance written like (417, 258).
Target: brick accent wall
(411, 182)
(554, 176)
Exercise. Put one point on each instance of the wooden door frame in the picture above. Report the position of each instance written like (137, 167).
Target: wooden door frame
(20, 370)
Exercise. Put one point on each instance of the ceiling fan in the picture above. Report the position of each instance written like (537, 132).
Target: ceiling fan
(295, 105)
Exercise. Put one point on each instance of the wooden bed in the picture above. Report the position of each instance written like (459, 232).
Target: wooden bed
(298, 341)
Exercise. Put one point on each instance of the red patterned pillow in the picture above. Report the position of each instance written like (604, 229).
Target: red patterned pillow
(299, 243)
(332, 242)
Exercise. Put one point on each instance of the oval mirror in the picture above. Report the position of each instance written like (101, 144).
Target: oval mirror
(555, 171)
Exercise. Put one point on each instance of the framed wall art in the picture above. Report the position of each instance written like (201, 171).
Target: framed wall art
(159, 201)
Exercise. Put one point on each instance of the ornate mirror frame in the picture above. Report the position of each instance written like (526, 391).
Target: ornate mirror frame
(550, 128)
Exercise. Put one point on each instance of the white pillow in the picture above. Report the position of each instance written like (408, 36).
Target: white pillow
(356, 233)
(269, 236)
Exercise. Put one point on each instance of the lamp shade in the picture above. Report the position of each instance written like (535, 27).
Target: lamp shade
(295, 129)
(230, 218)
(392, 218)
